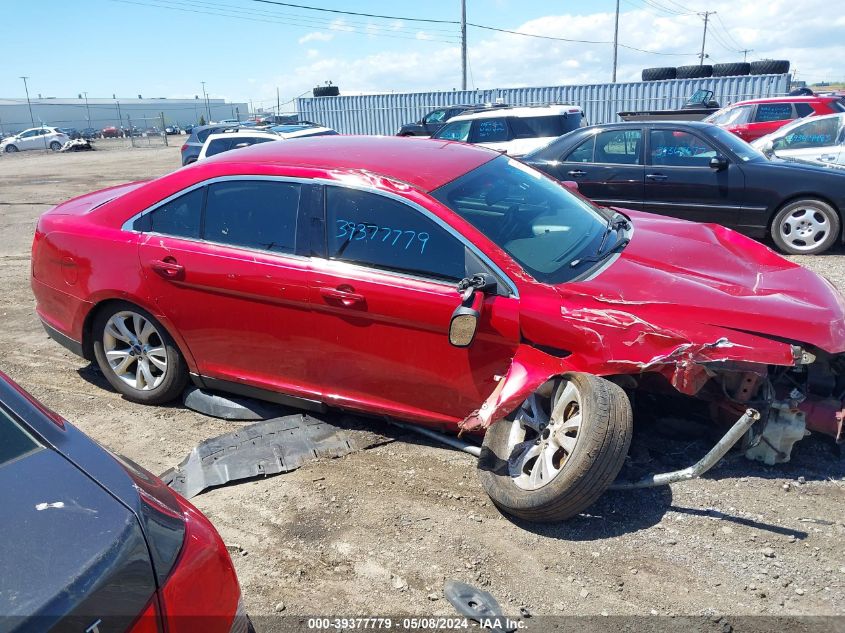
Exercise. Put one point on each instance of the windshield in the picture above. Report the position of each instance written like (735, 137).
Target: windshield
(736, 115)
(535, 220)
(744, 151)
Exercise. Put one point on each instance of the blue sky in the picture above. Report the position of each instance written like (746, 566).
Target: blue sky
(165, 48)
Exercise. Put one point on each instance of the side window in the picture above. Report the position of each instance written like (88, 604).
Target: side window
(773, 112)
(675, 148)
(583, 153)
(253, 213)
(374, 230)
(29, 133)
(456, 131)
(180, 217)
(813, 133)
(803, 109)
(438, 116)
(489, 131)
(620, 147)
(218, 146)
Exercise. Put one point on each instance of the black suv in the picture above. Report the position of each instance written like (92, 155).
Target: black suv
(436, 119)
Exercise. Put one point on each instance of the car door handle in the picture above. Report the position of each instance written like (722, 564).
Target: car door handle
(827, 157)
(340, 295)
(657, 176)
(577, 173)
(167, 268)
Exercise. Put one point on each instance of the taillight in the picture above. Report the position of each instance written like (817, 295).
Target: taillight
(184, 148)
(36, 242)
(148, 621)
(202, 591)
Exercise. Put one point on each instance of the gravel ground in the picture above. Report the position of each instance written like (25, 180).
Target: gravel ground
(378, 532)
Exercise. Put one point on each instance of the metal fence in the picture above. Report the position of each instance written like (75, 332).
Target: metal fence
(385, 113)
(146, 131)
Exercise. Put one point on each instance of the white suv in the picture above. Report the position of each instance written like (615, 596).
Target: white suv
(514, 131)
(35, 138)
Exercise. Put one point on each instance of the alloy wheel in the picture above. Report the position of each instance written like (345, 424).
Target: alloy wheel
(543, 435)
(804, 228)
(135, 350)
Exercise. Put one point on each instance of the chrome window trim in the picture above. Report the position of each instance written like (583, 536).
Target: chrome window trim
(340, 264)
(442, 223)
(127, 225)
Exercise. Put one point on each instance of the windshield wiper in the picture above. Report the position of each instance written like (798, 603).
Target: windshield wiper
(615, 222)
(600, 256)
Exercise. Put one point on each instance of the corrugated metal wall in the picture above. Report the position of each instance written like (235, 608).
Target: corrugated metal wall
(384, 113)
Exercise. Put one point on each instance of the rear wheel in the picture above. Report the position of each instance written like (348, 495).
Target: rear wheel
(806, 227)
(137, 355)
(55, 146)
(560, 451)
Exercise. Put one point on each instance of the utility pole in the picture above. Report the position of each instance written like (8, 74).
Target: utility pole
(278, 103)
(29, 105)
(706, 15)
(615, 41)
(463, 44)
(119, 116)
(207, 109)
(87, 110)
(745, 52)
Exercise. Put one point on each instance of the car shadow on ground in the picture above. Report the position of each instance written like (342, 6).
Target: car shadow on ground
(670, 444)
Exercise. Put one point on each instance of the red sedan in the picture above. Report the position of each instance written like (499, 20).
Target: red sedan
(325, 271)
(754, 118)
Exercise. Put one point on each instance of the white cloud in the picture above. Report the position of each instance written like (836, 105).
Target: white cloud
(808, 34)
(316, 36)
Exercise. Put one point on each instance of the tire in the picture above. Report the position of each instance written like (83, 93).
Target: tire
(694, 72)
(168, 384)
(770, 67)
(731, 70)
(658, 74)
(55, 146)
(578, 477)
(806, 227)
(11, 149)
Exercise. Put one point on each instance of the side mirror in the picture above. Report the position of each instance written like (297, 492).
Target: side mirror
(570, 184)
(718, 163)
(463, 326)
(768, 148)
(464, 322)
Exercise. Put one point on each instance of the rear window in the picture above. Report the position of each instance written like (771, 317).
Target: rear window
(14, 441)
(838, 106)
(542, 126)
(220, 145)
(803, 109)
(204, 134)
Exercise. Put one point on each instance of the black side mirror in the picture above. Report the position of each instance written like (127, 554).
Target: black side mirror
(464, 322)
(718, 163)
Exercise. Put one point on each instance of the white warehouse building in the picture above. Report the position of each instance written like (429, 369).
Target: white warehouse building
(99, 113)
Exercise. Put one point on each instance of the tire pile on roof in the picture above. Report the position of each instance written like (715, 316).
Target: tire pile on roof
(762, 67)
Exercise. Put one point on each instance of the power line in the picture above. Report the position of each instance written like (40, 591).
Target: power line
(366, 15)
(575, 41)
(728, 33)
(238, 15)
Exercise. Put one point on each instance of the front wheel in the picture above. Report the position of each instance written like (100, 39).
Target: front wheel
(805, 227)
(11, 149)
(560, 451)
(137, 355)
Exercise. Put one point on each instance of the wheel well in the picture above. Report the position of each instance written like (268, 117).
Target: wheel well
(88, 327)
(808, 196)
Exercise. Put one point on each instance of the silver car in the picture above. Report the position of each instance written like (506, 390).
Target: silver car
(35, 138)
(818, 138)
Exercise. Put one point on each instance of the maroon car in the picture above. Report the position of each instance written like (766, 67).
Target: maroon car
(112, 132)
(325, 271)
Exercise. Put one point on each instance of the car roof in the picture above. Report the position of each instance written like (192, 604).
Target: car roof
(524, 111)
(423, 163)
(784, 99)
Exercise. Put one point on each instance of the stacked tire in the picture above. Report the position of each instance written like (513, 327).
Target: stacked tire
(326, 91)
(761, 67)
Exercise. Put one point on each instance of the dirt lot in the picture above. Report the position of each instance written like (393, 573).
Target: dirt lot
(378, 532)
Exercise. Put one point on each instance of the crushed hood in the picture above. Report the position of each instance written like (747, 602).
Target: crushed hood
(690, 277)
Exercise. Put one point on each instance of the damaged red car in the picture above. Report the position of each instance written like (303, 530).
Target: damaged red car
(324, 272)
